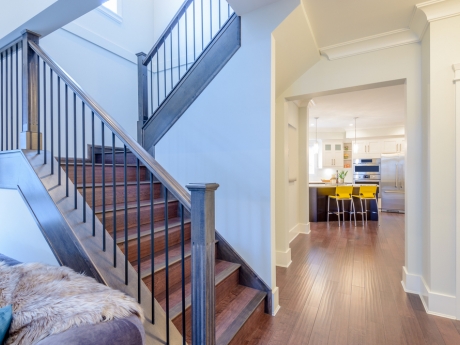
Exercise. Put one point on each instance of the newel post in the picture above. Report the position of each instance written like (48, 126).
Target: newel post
(29, 139)
(203, 263)
(142, 99)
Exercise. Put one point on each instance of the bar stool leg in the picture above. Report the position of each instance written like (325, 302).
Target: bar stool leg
(354, 210)
(338, 210)
(378, 213)
(362, 210)
(328, 202)
(343, 211)
(365, 206)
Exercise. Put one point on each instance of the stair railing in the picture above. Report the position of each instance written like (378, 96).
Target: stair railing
(66, 126)
(193, 28)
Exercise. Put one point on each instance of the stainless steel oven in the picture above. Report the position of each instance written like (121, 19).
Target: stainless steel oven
(366, 171)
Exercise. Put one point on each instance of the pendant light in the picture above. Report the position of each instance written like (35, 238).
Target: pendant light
(355, 146)
(316, 147)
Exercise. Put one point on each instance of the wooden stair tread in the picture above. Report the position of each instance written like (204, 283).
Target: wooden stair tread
(223, 269)
(233, 312)
(131, 205)
(159, 226)
(175, 256)
(89, 164)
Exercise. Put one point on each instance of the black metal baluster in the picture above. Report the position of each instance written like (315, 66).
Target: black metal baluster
(182, 250)
(164, 65)
(51, 121)
(202, 26)
(17, 96)
(66, 139)
(165, 191)
(152, 246)
(44, 113)
(93, 178)
(228, 16)
(6, 99)
(11, 99)
(1, 102)
(151, 86)
(138, 231)
(114, 203)
(103, 186)
(158, 80)
(171, 58)
(83, 142)
(75, 148)
(186, 41)
(194, 33)
(38, 104)
(178, 47)
(126, 213)
(59, 129)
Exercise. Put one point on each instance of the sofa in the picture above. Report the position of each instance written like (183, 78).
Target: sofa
(127, 331)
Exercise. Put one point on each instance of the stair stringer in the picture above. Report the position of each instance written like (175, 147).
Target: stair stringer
(92, 246)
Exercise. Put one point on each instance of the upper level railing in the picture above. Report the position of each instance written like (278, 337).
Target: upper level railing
(192, 29)
(44, 109)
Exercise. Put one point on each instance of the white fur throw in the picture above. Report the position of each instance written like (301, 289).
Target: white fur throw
(48, 300)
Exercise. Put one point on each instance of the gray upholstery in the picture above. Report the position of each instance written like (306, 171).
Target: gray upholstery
(127, 331)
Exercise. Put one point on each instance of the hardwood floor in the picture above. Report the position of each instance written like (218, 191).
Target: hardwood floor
(344, 287)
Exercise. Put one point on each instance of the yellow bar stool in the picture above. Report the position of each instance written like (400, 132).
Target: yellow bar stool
(342, 193)
(366, 193)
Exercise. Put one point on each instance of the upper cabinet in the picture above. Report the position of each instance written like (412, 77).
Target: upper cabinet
(394, 146)
(332, 154)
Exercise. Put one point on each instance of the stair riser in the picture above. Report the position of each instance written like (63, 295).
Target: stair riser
(221, 292)
(175, 277)
(248, 328)
(131, 173)
(144, 215)
(119, 158)
(159, 242)
(120, 193)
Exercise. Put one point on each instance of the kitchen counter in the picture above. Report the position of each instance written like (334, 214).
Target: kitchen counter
(318, 204)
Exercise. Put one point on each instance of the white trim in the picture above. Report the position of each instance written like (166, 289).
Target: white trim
(293, 233)
(422, 15)
(110, 14)
(304, 228)
(283, 259)
(116, 16)
(275, 301)
(456, 68)
(434, 303)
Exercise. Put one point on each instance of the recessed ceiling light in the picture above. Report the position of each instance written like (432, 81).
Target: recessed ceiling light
(312, 125)
(351, 125)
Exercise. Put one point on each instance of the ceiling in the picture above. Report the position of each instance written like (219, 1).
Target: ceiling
(337, 21)
(244, 6)
(375, 108)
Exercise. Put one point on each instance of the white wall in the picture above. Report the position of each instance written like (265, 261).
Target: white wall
(293, 185)
(224, 137)
(20, 236)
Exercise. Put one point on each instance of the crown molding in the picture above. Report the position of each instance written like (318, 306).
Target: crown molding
(422, 15)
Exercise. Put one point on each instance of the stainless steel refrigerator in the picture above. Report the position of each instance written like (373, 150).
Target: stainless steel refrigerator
(393, 183)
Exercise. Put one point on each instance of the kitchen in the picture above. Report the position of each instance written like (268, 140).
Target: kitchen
(357, 139)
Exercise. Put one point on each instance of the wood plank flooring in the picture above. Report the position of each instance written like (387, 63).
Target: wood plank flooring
(344, 287)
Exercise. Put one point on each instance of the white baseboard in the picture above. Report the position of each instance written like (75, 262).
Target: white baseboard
(434, 303)
(283, 259)
(304, 228)
(275, 301)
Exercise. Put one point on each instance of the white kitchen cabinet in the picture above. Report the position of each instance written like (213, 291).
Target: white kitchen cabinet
(332, 155)
(394, 146)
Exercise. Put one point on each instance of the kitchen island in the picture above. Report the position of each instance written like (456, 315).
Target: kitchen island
(318, 204)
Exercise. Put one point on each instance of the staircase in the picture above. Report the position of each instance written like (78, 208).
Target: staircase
(238, 308)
